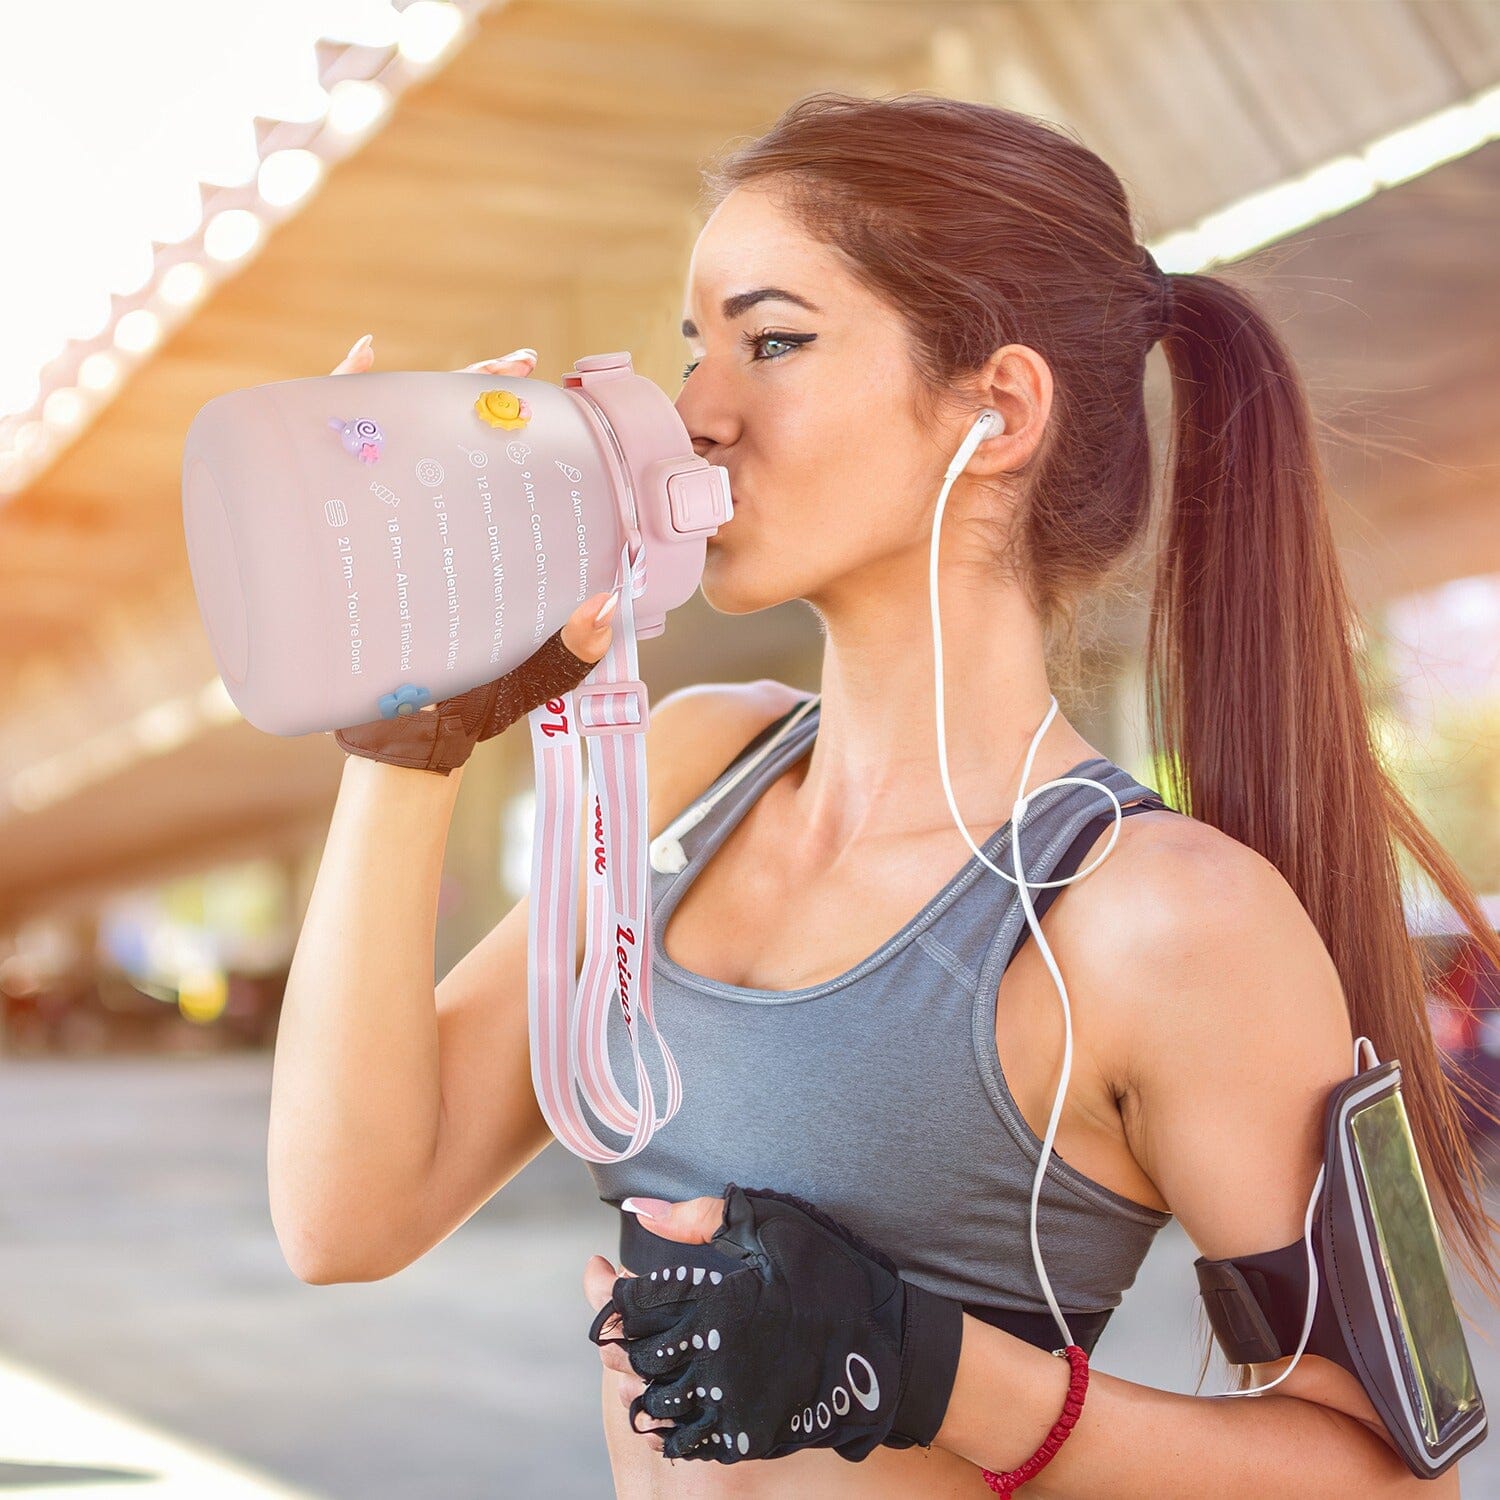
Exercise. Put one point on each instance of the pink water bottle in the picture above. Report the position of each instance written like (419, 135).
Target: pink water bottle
(360, 543)
(365, 544)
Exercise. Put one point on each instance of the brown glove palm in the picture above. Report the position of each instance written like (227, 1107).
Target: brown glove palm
(441, 736)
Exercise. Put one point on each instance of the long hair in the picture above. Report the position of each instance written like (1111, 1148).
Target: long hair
(982, 227)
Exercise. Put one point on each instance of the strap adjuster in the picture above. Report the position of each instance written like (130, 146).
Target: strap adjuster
(1234, 1312)
(629, 717)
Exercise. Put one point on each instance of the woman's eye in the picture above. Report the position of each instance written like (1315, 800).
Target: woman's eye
(755, 341)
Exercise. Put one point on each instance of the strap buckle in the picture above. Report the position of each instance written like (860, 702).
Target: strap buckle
(1238, 1320)
(591, 716)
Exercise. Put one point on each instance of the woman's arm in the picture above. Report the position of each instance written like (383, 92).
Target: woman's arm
(1133, 1440)
(1230, 1026)
(398, 1107)
(355, 1081)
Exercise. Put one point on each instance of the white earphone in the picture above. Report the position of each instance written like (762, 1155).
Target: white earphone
(989, 423)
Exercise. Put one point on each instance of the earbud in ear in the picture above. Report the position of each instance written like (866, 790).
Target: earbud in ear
(987, 424)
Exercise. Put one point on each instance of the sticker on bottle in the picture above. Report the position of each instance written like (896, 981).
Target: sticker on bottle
(362, 437)
(407, 699)
(503, 409)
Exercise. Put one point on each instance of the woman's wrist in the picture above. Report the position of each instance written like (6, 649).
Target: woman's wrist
(931, 1345)
(1006, 1397)
(409, 788)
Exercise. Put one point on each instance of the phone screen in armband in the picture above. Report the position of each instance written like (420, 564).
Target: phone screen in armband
(1438, 1371)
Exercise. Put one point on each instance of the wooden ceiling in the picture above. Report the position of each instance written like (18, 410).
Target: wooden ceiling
(541, 190)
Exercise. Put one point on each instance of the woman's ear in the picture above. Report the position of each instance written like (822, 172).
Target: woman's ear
(1017, 382)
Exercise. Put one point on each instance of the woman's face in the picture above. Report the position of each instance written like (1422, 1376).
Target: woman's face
(811, 409)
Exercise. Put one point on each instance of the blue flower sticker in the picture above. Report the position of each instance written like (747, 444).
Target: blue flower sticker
(407, 699)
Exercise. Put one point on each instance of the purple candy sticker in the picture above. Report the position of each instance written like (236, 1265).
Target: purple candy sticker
(362, 437)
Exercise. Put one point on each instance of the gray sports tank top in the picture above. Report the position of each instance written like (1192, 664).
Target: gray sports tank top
(878, 1094)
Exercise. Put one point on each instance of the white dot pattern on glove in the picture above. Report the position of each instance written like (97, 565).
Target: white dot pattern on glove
(860, 1375)
(869, 1398)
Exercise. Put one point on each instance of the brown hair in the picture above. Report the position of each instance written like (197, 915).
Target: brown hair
(983, 227)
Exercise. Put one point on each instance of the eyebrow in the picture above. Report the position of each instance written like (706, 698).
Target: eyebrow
(742, 302)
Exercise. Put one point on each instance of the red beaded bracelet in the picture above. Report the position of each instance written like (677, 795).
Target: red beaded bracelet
(1008, 1483)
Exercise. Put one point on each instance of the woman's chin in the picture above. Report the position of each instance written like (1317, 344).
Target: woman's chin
(724, 586)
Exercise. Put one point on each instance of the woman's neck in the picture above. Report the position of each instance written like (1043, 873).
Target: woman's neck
(873, 770)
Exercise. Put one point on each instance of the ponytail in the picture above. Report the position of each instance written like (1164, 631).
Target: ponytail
(1256, 708)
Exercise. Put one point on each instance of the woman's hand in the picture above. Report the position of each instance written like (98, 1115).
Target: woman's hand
(816, 1342)
(362, 356)
(599, 1278)
(444, 740)
(691, 1222)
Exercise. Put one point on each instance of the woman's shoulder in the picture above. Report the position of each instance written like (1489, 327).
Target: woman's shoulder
(709, 718)
(1220, 1021)
(1184, 927)
(1172, 875)
(695, 731)
(1175, 881)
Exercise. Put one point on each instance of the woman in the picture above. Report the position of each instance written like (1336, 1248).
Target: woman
(878, 1045)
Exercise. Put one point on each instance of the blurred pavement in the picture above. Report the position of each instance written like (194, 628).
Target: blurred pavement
(151, 1334)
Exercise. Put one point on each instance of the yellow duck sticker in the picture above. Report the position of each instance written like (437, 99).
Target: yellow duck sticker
(503, 409)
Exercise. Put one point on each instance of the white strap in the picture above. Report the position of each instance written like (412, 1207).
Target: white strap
(568, 1021)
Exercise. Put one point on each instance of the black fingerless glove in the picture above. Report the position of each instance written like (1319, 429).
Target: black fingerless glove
(818, 1342)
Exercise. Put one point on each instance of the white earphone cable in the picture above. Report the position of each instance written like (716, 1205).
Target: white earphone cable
(987, 424)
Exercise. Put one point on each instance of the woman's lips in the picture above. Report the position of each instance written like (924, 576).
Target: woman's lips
(735, 503)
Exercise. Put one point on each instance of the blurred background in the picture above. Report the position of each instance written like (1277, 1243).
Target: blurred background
(202, 195)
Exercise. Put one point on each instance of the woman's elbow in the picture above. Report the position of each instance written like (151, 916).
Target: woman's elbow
(319, 1260)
